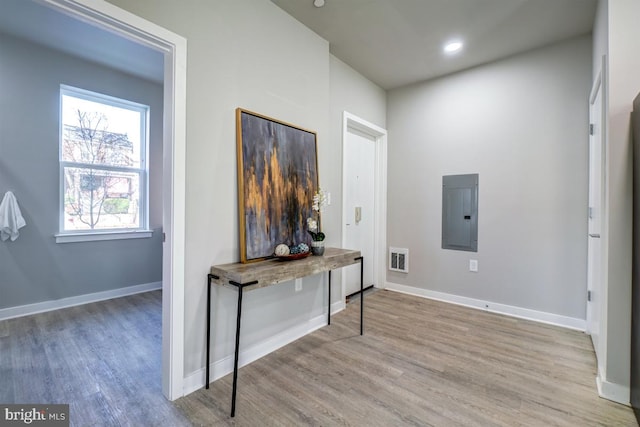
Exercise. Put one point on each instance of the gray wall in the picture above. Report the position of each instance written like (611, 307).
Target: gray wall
(616, 35)
(34, 268)
(624, 85)
(248, 54)
(521, 123)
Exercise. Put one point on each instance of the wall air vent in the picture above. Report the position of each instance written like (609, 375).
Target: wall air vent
(399, 259)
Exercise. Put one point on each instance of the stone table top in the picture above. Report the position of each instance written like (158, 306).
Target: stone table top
(272, 271)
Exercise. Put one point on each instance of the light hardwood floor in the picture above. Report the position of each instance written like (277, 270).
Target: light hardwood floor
(103, 359)
(420, 362)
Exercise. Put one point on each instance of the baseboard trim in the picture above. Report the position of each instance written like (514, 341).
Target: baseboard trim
(41, 307)
(337, 307)
(613, 391)
(224, 366)
(508, 310)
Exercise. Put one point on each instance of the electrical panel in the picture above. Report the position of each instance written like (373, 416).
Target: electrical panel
(460, 212)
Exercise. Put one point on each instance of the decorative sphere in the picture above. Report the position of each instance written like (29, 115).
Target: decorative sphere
(282, 250)
(303, 247)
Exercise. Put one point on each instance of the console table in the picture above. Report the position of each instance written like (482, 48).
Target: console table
(246, 277)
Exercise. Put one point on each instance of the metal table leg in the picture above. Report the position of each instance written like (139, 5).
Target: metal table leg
(235, 360)
(240, 287)
(329, 308)
(361, 294)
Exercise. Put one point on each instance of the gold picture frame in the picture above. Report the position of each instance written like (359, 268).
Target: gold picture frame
(277, 179)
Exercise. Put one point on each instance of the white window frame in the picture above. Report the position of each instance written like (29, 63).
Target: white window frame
(142, 231)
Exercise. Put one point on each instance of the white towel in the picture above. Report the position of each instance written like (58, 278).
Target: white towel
(11, 219)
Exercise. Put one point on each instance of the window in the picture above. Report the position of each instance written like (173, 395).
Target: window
(103, 176)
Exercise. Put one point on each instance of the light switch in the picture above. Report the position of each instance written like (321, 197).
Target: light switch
(473, 265)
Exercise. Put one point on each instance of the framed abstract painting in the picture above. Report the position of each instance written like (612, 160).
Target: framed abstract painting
(277, 179)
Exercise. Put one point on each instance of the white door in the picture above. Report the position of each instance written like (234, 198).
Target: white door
(596, 179)
(359, 205)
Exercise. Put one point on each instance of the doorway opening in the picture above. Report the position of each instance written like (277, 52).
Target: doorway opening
(107, 17)
(364, 201)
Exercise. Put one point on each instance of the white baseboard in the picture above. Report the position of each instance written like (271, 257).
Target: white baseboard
(224, 366)
(614, 392)
(508, 310)
(41, 307)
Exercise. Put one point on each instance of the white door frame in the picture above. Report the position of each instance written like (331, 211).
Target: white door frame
(125, 24)
(599, 88)
(595, 125)
(379, 135)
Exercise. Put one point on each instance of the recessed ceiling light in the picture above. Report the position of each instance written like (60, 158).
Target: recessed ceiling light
(318, 3)
(453, 47)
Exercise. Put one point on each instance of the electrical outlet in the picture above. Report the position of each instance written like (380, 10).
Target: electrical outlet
(473, 265)
(298, 285)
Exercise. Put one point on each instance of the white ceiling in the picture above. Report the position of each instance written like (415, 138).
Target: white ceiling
(398, 42)
(40, 24)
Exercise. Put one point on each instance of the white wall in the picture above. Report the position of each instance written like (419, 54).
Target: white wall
(521, 123)
(624, 85)
(350, 92)
(253, 55)
(616, 34)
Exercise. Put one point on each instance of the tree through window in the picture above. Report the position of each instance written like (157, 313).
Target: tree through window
(102, 162)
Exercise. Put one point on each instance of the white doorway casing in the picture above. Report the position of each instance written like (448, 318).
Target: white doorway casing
(596, 300)
(108, 17)
(359, 152)
(378, 136)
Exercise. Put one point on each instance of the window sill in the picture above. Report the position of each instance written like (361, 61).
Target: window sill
(105, 235)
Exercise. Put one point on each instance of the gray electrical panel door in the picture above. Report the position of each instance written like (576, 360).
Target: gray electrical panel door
(460, 212)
